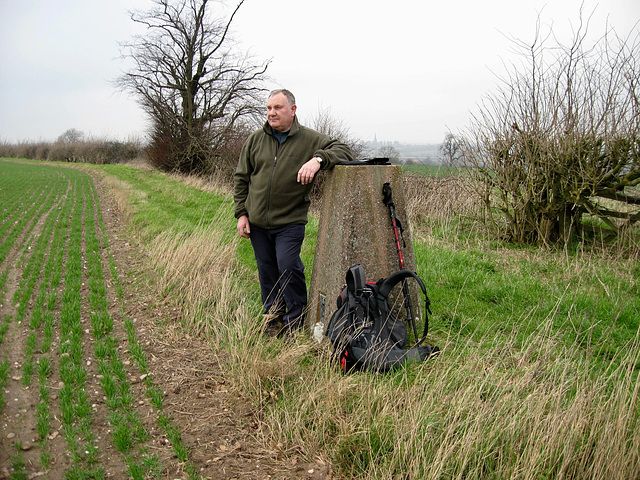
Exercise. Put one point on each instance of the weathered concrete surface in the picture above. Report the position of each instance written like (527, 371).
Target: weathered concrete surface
(355, 227)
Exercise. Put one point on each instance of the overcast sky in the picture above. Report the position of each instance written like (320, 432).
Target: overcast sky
(403, 70)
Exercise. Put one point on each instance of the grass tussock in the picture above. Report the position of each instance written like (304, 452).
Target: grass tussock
(121, 191)
(215, 182)
(199, 268)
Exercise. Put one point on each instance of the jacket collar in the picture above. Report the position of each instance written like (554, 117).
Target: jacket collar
(295, 128)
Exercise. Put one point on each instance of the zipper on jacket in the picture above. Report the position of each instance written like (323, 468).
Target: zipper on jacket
(273, 172)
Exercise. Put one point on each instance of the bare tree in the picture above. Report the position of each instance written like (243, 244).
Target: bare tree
(561, 133)
(71, 135)
(451, 149)
(328, 124)
(191, 81)
(390, 152)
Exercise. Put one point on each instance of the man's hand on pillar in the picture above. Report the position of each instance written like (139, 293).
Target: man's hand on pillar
(308, 171)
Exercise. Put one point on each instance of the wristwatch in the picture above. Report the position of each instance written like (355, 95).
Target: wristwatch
(319, 160)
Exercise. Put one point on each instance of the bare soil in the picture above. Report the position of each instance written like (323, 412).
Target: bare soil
(222, 429)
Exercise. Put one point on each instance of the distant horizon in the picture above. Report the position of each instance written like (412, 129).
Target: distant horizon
(88, 137)
(398, 142)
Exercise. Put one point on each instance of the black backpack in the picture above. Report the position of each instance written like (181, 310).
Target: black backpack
(364, 330)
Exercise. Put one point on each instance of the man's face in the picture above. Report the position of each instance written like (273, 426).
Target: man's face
(279, 113)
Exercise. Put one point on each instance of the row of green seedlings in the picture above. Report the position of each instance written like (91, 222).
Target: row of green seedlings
(129, 434)
(20, 215)
(102, 323)
(42, 314)
(23, 220)
(73, 401)
(8, 206)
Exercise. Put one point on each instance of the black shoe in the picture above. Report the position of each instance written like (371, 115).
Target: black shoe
(274, 326)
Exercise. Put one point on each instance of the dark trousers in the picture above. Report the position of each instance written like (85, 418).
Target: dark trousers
(281, 272)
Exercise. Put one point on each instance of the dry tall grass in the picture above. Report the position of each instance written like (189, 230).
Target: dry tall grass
(442, 203)
(440, 197)
(200, 270)
(214, 182)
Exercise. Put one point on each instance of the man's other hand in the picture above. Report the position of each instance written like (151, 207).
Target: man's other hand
(244, 230)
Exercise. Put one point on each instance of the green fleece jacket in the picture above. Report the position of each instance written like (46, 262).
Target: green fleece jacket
(266, 189)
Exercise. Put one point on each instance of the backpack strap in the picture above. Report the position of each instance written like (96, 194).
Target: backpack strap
(392, 280)
(356, 279)
(395, 278)
(341, 324)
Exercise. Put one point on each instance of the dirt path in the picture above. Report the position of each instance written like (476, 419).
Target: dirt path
(221, 429)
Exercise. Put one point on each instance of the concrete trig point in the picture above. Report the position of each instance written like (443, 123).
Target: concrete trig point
(355, 227)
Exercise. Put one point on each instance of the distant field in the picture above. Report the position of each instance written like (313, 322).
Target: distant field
(431, 170)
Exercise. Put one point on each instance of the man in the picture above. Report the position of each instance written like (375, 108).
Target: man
(272, 184)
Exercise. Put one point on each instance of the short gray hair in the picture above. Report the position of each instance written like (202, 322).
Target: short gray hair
(286, 93)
